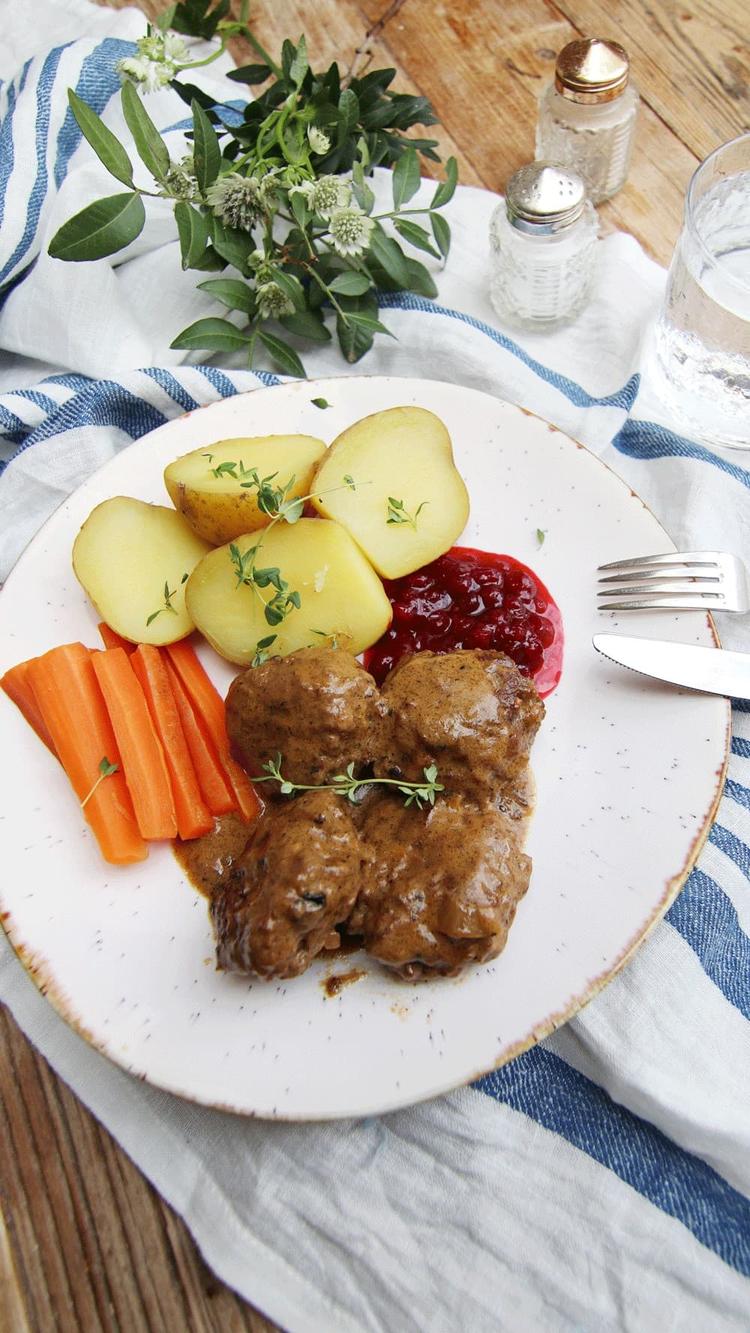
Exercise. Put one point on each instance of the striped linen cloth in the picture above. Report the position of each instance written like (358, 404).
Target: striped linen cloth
(602, 1180)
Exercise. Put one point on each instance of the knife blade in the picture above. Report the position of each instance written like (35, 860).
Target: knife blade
(713, 670)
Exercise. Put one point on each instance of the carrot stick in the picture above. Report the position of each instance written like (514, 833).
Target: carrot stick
(193, 816)
(212, 779)
(209, 706)
(142, 756)
(17, 685)
(111, 639)
(73, 709)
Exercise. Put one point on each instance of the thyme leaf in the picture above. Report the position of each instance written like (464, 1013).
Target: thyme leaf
(398, 513)
(106, 769)
(169, 593)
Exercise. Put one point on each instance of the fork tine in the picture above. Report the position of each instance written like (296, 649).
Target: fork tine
(711, 596)
(659, 604)
(668, 576)
(698, 558)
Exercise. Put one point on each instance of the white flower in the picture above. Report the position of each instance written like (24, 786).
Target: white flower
(272, 301)
(236, 200)
(350, 230)
(318, 140)
(325, 195)
(156, 62)
(175, 49)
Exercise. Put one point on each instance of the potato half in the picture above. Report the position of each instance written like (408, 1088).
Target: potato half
(341, 598)
(133, 559)
(391, 481)
(209, 492)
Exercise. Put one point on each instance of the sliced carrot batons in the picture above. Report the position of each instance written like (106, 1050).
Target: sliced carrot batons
(209, 708)
(193, 816)
(74, 712)
(143, 759)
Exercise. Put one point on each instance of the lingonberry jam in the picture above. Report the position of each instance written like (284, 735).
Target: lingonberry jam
(473, 599)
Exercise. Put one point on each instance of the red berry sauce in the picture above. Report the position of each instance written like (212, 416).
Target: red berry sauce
(473, 599)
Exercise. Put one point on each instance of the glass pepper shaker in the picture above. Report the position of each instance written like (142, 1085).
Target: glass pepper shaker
(587, 116)
(542, 239)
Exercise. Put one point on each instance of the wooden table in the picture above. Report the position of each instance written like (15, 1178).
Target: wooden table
(87, 1245)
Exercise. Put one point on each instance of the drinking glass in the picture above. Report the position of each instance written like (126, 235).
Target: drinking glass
(699, 361)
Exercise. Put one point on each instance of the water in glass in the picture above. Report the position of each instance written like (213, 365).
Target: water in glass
(702, 339)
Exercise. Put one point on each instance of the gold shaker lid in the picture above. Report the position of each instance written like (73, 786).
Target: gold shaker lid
(591, 70)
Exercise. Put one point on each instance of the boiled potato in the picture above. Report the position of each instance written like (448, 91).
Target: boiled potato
(342, 601)
(218, 507)
(390, 480)
(133, 559)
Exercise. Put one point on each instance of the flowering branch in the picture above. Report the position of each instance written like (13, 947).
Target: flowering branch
(281, 200)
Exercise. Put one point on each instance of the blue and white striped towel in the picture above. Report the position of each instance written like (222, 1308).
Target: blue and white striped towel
(602, 1180)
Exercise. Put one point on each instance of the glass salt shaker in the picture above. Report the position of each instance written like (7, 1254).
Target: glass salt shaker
(587, 116)
(542, 240)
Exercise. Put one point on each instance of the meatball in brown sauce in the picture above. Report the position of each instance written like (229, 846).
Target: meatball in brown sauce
(295, 883)
(317, 707)
(470, 712)
(429, 890)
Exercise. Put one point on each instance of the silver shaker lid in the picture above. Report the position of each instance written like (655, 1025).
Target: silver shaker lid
(543, 198)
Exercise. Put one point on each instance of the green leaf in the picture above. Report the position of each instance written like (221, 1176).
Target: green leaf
(291, 287)
(149, 144)
(368, 323)
(299, 65)
(206, 150)
(100, 229)
(351, 283)
(406, 178)
(251, 74)
(442, 233)
(216, 335)
(363, 195)
(193, 231)
(209, 262)
(299, 208)
(348, 114)
(416, 236)
(164, 20)
(305, 324)
(322, 403)
(232, 293)
(107, 147)
(234, 246)
(421, 280)
(284, 355)
(389, 255)
(447, 188)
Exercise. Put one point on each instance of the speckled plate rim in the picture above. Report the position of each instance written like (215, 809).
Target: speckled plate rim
(39, 971)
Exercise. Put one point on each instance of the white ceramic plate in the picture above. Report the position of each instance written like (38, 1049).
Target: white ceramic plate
(628, 774)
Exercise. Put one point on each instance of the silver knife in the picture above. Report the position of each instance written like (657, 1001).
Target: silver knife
(713, 670)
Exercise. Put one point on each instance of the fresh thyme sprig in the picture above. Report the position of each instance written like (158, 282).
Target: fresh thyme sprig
(280, 197)
(398, 513)
(169, 593)
(348, 785)
(274, 501)
(106, 769)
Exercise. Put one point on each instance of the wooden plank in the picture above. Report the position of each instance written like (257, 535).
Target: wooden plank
(90, 1245)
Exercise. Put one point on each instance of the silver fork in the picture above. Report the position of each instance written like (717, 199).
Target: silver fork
(676, 581)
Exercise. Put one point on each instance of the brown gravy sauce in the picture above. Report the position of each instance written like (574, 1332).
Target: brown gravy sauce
(335, 984)
(207, 861)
